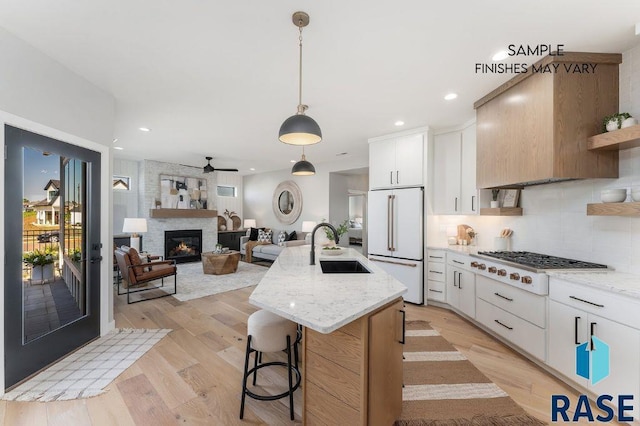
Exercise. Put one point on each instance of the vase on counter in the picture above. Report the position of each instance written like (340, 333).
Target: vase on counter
(495, 204)
(612, 125)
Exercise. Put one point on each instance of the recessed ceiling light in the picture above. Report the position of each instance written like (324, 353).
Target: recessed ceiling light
(252, 169)
(145, 129)
(399, 123)
(119, 148)
(115, 140)
(503, 54)
(292, 161)
(450, 96)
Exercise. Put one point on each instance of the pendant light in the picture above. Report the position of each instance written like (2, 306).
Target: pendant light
(300, 129)
(303, 167)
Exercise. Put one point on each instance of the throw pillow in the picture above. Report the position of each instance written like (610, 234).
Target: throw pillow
(253, 236)
(264, 236)
(282, 237)
(292, 236)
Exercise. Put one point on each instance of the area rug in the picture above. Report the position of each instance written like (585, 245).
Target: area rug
(193, 283)
(442, 387)
(90, 369)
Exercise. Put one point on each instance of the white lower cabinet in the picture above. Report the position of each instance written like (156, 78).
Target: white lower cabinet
(461, 285)
(578, 312)
(436, 272)
(515, 314)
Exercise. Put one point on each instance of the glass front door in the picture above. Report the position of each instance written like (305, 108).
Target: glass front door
(52, 224)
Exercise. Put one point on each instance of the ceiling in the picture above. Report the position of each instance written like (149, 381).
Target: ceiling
(219, 77)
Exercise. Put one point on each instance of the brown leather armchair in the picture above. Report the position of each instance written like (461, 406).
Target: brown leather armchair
(136, 274)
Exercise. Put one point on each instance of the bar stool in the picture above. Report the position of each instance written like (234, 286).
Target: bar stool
(268, 332)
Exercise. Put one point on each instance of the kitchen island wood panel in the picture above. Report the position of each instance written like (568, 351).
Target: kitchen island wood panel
(535, 127)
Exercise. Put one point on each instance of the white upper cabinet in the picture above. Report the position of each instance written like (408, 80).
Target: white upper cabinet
(454, 172)
(396, 162)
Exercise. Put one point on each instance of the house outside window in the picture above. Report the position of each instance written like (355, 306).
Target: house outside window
(121, 183)
(227, 191)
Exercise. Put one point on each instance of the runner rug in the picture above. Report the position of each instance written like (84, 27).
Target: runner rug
(442, 387)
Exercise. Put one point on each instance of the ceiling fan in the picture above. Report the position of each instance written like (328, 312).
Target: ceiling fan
(209, 168)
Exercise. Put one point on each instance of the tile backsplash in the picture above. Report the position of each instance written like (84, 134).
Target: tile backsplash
(555, 220)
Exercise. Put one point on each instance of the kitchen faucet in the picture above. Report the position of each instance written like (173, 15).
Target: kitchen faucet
(336, 238)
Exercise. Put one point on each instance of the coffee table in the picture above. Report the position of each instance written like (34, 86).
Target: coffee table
(220, 263)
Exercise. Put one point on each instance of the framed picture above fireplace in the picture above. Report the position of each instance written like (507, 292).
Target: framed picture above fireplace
(182, 192)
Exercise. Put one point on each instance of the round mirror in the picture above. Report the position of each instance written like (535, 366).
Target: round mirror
(287, 202)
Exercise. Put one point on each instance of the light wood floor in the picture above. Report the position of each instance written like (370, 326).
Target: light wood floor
(193, 376)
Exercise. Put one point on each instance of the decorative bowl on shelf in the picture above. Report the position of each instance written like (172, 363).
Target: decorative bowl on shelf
(613, 195)
(635, 194)
(332, 251)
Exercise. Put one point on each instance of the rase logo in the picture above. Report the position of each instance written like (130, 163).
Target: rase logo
(592, 360)
(592, 363)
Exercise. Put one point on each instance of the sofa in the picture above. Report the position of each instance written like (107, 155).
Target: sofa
(271, 251)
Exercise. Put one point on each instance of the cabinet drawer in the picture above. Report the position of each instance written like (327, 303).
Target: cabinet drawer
(435, 271)
(435, 290)
(461, 261)
(438, 256)
(521, 333)
(523, 304)
(609, 305)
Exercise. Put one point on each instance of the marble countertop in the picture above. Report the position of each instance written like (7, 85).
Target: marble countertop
(323, 302)
(618, 282)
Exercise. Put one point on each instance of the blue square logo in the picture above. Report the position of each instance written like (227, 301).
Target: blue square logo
(593, 363)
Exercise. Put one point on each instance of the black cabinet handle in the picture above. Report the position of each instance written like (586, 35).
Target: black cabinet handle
(504, 297)
(460, 280)
(391, 177)
(435, 272)
(435, 291)
(505, 326)
(397, 177)
(454, 278)
(458, 262)
(404, 331)
(586, 301)
(456, 205)
(473, 198)
(592, 327)
(575, 330)
(435, 257)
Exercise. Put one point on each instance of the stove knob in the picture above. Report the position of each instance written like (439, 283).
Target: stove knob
(514, 276)
(474, 264)
(526, 280)
(492, 269)
(482, 266)
(502, 273)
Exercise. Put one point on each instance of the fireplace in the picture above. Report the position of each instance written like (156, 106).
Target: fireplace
(183, 246)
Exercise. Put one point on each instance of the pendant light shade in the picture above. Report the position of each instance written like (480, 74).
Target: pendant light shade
(303, 167)
(300, 129)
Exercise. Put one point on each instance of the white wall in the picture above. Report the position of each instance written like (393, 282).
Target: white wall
(233, 204)
(40, 95)
(555, 220)
(125, 203)
(258, 193)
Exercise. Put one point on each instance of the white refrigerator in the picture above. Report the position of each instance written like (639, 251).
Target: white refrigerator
(395, 234)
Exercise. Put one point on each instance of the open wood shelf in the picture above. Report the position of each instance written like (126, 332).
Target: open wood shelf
(182, 213)
(501, 211)
(616, 140)
(613, 209)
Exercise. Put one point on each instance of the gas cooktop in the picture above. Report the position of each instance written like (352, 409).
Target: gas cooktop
(540, 261)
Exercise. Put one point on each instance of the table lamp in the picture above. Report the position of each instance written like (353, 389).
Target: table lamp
(134, 225)
(308, 225)
(249, 223)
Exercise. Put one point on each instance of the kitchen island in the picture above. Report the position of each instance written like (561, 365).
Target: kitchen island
(353, 328)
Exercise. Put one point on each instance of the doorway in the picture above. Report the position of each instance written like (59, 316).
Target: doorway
(52, 282)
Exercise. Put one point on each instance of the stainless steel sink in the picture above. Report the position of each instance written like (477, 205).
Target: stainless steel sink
(343, 267)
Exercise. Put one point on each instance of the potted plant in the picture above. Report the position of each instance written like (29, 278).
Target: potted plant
(340, 229)
(494, 198)
(41, 263)
(614, 121)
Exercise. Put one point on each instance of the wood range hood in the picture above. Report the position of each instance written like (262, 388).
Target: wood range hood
(533, 129)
